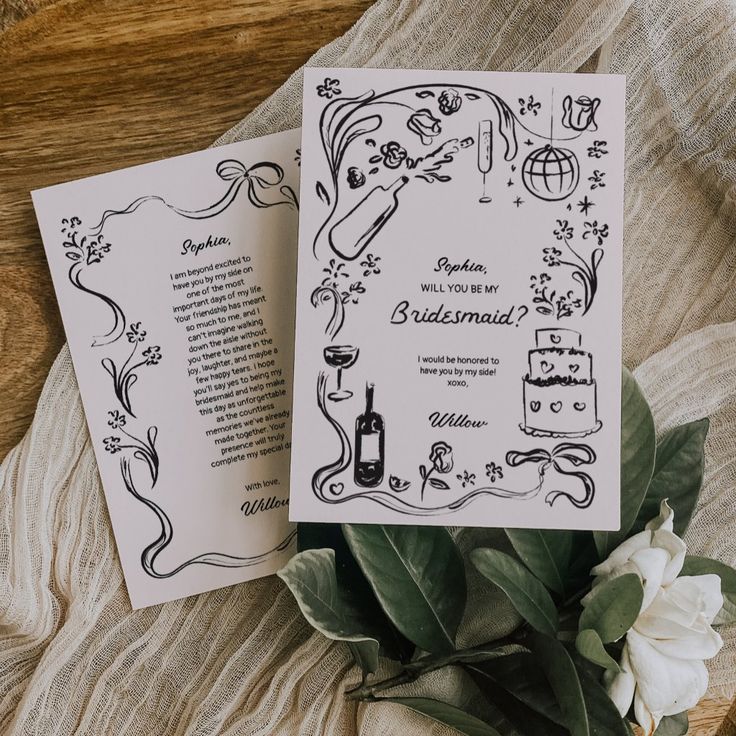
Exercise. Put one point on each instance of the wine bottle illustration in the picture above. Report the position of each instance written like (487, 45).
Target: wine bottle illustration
(369, 445)
(350, 236)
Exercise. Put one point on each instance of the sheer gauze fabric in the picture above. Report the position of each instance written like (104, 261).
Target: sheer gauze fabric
(75, 660)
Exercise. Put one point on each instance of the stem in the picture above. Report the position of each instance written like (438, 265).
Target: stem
(424, 484)
(429, 663)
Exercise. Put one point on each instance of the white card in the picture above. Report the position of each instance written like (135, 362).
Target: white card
(175, 282)
(460, 260)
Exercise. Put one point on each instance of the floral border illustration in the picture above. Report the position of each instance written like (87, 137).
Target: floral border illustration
(265, 188)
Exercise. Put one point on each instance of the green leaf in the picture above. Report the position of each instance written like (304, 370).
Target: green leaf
(545, 553)
(418, 576)
(563, 678)
(603, 715)
(673, 725)
(353, 584)
(528, 596)
(613, 607)
(705, 566)
(515, 686)
(590, 646)
(520, 675)
(310, 576)
(678, 474)
(448, 714)
(637, 461)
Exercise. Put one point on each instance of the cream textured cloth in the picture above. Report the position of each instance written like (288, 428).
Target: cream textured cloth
(75, 660)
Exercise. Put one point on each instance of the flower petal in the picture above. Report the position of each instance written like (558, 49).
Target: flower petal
(666, 517)
(621, 685)
(710, 589)
(665, 685)
(652, 563)
(622, 553)
(675, 548)
(644, 717)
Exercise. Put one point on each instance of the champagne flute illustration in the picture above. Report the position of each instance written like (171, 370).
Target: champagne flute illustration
(340, 356)
(485, 153)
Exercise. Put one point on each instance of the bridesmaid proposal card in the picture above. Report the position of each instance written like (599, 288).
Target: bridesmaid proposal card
(175, 282)
(458, 331)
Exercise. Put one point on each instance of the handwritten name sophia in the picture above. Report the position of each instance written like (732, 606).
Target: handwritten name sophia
(189, 247)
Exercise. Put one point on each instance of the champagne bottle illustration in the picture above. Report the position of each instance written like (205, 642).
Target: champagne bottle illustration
(350, 236)
(369, 444)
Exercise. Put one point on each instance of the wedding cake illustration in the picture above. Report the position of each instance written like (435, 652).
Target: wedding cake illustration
(560, 393)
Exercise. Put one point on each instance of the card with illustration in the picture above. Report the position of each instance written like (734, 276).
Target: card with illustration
(175, 281)
(458, 328)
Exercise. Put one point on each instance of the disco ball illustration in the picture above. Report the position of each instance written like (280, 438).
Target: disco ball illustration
(551, 173)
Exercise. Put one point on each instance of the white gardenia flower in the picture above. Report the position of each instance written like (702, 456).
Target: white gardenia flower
(662, 668)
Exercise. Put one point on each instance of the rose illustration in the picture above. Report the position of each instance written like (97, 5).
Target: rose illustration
(450, 101)
(394, 154)
(425, 125)
(662, 669)
(441, 458)
(356, 178)
(583, 116)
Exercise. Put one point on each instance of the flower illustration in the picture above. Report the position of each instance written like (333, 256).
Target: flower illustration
(111, 444)
(440, 456)
(564, 231)
(136, 333)
(599, 232)
(598, 149)
(116, 420)
(584, 113)
(597, 179)
(494, 472)
(370, 264)
(152, 355)
(425, 125)
(449, 101)
(329, 88)
(467, 479)
(529, 105)
(393, 153)
(551, 256)
(356, 178)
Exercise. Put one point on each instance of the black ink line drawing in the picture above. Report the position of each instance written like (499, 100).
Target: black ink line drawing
(598, 149)
(585, 204)
(338, 289)
(596, 179)
(529, 105)
(92, 248)
(398, 485)
(261, 179)
(551, 173)
(124, 378)
(370, 445)
(329, 88)
(584, 115)
(560, 396)
(332, 492)
(441, 461)
(340, 356)
(560, 303)
(214, 559)
(485, 154)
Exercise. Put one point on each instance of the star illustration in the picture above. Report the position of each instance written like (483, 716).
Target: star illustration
(529, 142)
(518, 201)
(510, 183)
(585, 204)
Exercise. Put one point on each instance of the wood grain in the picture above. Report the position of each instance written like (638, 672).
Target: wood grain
(87, 86)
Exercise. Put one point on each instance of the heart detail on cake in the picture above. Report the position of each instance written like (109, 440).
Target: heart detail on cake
(578, 406)
(555, 339)
(573, 367)
(534, 406)
(556, 406)
(546, 367)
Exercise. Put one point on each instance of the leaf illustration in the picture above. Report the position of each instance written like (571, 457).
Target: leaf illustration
(439, 484)
(375, 159)
(322, 193)
(471, 96)
(73, 256)
(423, 94)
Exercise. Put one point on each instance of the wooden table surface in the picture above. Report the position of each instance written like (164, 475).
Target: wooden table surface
(87, 86)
